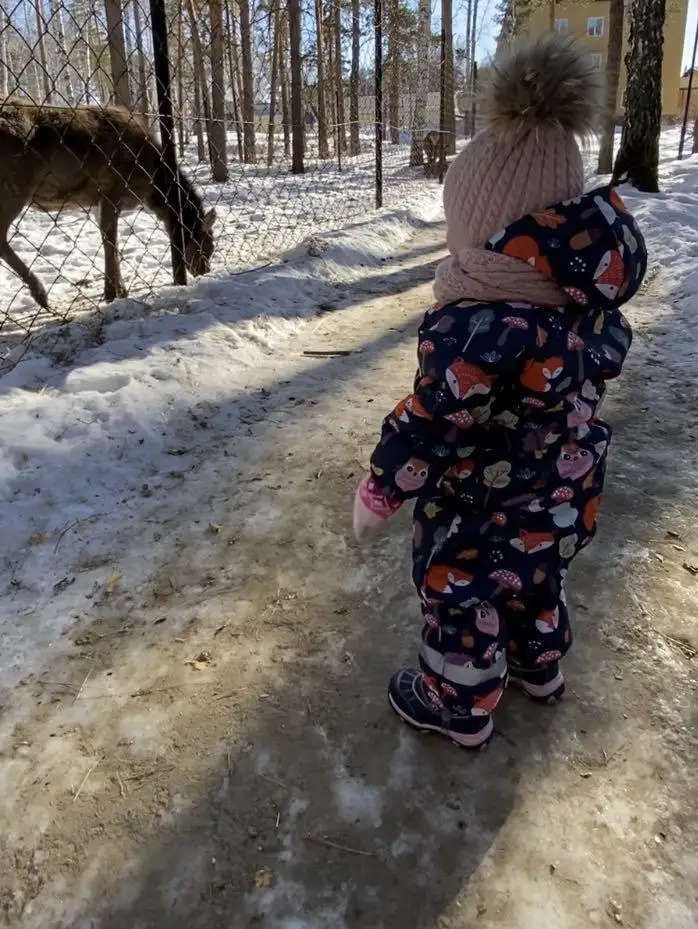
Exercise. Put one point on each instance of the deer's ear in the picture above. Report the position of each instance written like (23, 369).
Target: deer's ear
(209, 220)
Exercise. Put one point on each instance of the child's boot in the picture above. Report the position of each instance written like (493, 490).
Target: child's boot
(416, 700)
(546, 685)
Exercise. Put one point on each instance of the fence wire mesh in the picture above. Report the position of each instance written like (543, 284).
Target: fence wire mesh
(71, 164)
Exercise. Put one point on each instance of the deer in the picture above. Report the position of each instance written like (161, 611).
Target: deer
(54, 158)
(432, 145)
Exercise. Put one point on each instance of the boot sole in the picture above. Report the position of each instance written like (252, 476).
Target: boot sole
(477, 740)
(541, 693)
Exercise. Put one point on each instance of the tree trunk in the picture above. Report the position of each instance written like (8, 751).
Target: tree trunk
(181, 58)
(323, 148)
(219, 156)
(394, 101)
(200, 83)
(81, 57)
(354, 135)
(91, 87)
(552, 12)
(448, 88)
(43, 60)
(613, 66)
(506, 31)
(694, 150)
(294, 25)
(393, 68)
(62, 62)
(339, 78)
(473, 46)
(420, 103)
(142, 102)
(117, 53)
(235, 86)
(199, 118)
(201, 77)
(248, 128)
(274, 79)
(473, 68)
(638, 158)
(4, 57)
(468, 33)
(99, 49)
(329, 31)
(285, 103)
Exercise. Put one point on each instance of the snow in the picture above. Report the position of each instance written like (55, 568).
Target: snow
(357, 802)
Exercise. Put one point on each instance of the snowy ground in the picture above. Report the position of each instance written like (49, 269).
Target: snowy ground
(262, 212)
(194, 652)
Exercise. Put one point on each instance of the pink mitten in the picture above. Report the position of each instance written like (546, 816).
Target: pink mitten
(371, 508)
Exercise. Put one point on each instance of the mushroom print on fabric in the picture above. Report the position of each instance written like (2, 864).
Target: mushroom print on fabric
(501, 446)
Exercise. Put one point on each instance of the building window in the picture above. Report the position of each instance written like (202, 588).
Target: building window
(596, 61)
(595, 26)
(562, 26)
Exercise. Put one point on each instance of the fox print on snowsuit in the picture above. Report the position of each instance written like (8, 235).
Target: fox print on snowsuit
(502, 447)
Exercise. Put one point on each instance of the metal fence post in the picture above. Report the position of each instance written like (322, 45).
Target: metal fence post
(442, 108)
(473, 111)
(169, 154)
(338, 133)
(378, 27)
(688, 96)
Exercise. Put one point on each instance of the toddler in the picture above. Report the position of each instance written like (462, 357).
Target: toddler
(500, 443)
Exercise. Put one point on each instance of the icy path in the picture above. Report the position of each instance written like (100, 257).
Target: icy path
(214, 710)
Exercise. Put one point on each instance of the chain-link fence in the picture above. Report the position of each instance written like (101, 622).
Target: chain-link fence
(80, 139)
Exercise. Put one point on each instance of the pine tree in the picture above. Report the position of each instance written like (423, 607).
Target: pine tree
(297, 126)
(117, 52)
(219, 158)
(638, 157)
(323, 147)
(449, 125)
(420, 104)
(613, 67)
(248, 127)
(354, 136)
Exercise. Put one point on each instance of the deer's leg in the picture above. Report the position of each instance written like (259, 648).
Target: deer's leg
(11, 258)
(109, 227)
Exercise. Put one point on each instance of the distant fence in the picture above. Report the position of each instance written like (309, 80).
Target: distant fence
(273, 122)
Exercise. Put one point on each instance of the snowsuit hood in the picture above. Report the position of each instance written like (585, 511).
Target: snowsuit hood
(591, 247)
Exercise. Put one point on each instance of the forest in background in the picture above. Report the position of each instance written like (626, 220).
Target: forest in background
(237, 64)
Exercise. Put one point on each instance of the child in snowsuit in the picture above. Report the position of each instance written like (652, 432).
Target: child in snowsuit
(500, 442)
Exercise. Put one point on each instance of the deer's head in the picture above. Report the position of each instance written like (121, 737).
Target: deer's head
(198, 247)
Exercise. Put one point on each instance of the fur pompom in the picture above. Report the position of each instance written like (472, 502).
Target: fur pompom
(549, 81)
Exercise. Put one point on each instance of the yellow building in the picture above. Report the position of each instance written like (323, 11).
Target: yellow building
(588, 24)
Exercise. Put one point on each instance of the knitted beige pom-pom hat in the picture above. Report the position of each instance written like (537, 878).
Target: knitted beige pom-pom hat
(541, 98)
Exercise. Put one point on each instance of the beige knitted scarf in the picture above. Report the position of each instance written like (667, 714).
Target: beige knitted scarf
(483, 276)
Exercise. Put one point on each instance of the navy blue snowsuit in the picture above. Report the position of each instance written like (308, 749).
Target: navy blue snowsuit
(501, 446)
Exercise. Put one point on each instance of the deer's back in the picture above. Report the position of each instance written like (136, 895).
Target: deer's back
(57, 157)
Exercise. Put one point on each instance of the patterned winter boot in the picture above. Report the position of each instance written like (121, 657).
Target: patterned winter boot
(417, 700)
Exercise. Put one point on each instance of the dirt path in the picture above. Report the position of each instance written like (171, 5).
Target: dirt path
(214, 748)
